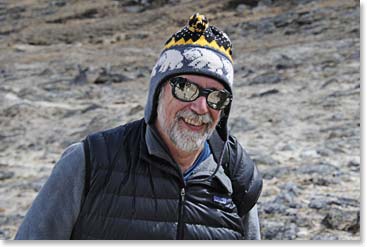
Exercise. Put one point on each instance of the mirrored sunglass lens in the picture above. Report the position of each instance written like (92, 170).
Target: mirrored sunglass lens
(218, 99)
(186, 91)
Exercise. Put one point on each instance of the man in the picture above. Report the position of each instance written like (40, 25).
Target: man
(176, 174)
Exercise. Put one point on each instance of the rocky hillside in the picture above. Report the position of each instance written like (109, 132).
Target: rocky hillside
(72, 67)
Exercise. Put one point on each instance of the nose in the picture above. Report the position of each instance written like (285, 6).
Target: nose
(199, 105)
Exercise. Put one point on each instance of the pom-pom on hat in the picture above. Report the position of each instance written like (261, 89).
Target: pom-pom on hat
(199, 49)
(198, 32)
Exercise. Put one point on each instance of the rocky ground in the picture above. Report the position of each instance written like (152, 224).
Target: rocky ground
(69, 68)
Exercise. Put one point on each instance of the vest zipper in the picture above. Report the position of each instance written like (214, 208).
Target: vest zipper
(180, 224)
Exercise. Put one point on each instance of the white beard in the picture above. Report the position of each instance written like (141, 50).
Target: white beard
(185, 139)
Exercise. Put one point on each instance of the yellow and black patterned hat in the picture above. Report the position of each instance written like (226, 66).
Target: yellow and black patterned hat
(197, 48)
(198, 32)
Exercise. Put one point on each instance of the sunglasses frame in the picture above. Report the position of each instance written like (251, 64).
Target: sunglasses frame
(202, 92)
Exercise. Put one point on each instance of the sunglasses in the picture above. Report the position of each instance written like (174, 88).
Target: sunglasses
(188, 91)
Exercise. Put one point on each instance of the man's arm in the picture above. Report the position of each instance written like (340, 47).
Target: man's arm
(57, 205)
(251, 225)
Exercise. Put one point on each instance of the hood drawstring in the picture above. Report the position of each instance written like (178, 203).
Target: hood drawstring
(219, 163)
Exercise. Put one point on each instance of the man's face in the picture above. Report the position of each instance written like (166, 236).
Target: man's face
(187, 124)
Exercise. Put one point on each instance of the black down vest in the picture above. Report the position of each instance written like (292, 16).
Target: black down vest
(131, 194)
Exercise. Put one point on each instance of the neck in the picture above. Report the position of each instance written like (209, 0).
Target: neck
(183, 159)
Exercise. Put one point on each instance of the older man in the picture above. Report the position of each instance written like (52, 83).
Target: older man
(176, 174)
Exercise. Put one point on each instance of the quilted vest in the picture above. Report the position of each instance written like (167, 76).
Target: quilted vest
(131, 194)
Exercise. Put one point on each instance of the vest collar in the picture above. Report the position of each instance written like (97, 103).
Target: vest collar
(157, 147)
(155, 144)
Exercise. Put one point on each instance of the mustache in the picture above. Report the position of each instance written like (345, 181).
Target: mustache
(202, 119)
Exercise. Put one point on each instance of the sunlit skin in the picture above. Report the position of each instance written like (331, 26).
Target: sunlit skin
(199, 106)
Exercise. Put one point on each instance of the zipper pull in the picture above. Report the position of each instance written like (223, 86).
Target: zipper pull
(183, 194)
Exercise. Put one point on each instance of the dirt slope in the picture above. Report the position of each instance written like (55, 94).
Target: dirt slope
(69, 68)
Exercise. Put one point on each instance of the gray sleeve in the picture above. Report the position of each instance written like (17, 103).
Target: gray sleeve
(251, 225)
(55, 210)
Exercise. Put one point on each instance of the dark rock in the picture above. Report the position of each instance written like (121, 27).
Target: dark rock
(285, 19)
(272, 230)
(354, 165)
(266, 78)
(305, 18)
(285, 62)
(324, 152)
(88, 13)
(37, 185)
(6, 175)
(15, 132)
(135, 9)
(18, 109)
(58, 3)
(303, 221)
(242, 7)
(324, 181)
(69, 113)
(234, 3)
(81, 78)
(303, 1)
(291, 188)
(275, 172)
(291, 29)
(356, 56)
(280, 231)
(342, 220)
(337, 117)
(263, 159)
(320, 168)
(336, 128)
(316, 30)
(142, 72)
(288, 147)
(273, 208)
(106, 76)
(136, 36)
(309, 153)
(265, 93)
(287, 198)
(242, 72)
(4, 73)
(342, 93)
(240, 124)
(343, 133)
(307, 22)
(46, 72)
(147, 3)
(345, 202)
(90, 108)
(16, 12)
(267, 2)
(326, 236)
(257, 28)
(265, 26)
(290, 232)
(317, 203)
(329, 63)
(135, 110)
(328, 82)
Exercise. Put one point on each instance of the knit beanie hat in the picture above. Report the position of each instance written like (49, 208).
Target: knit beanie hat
(196, 49)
